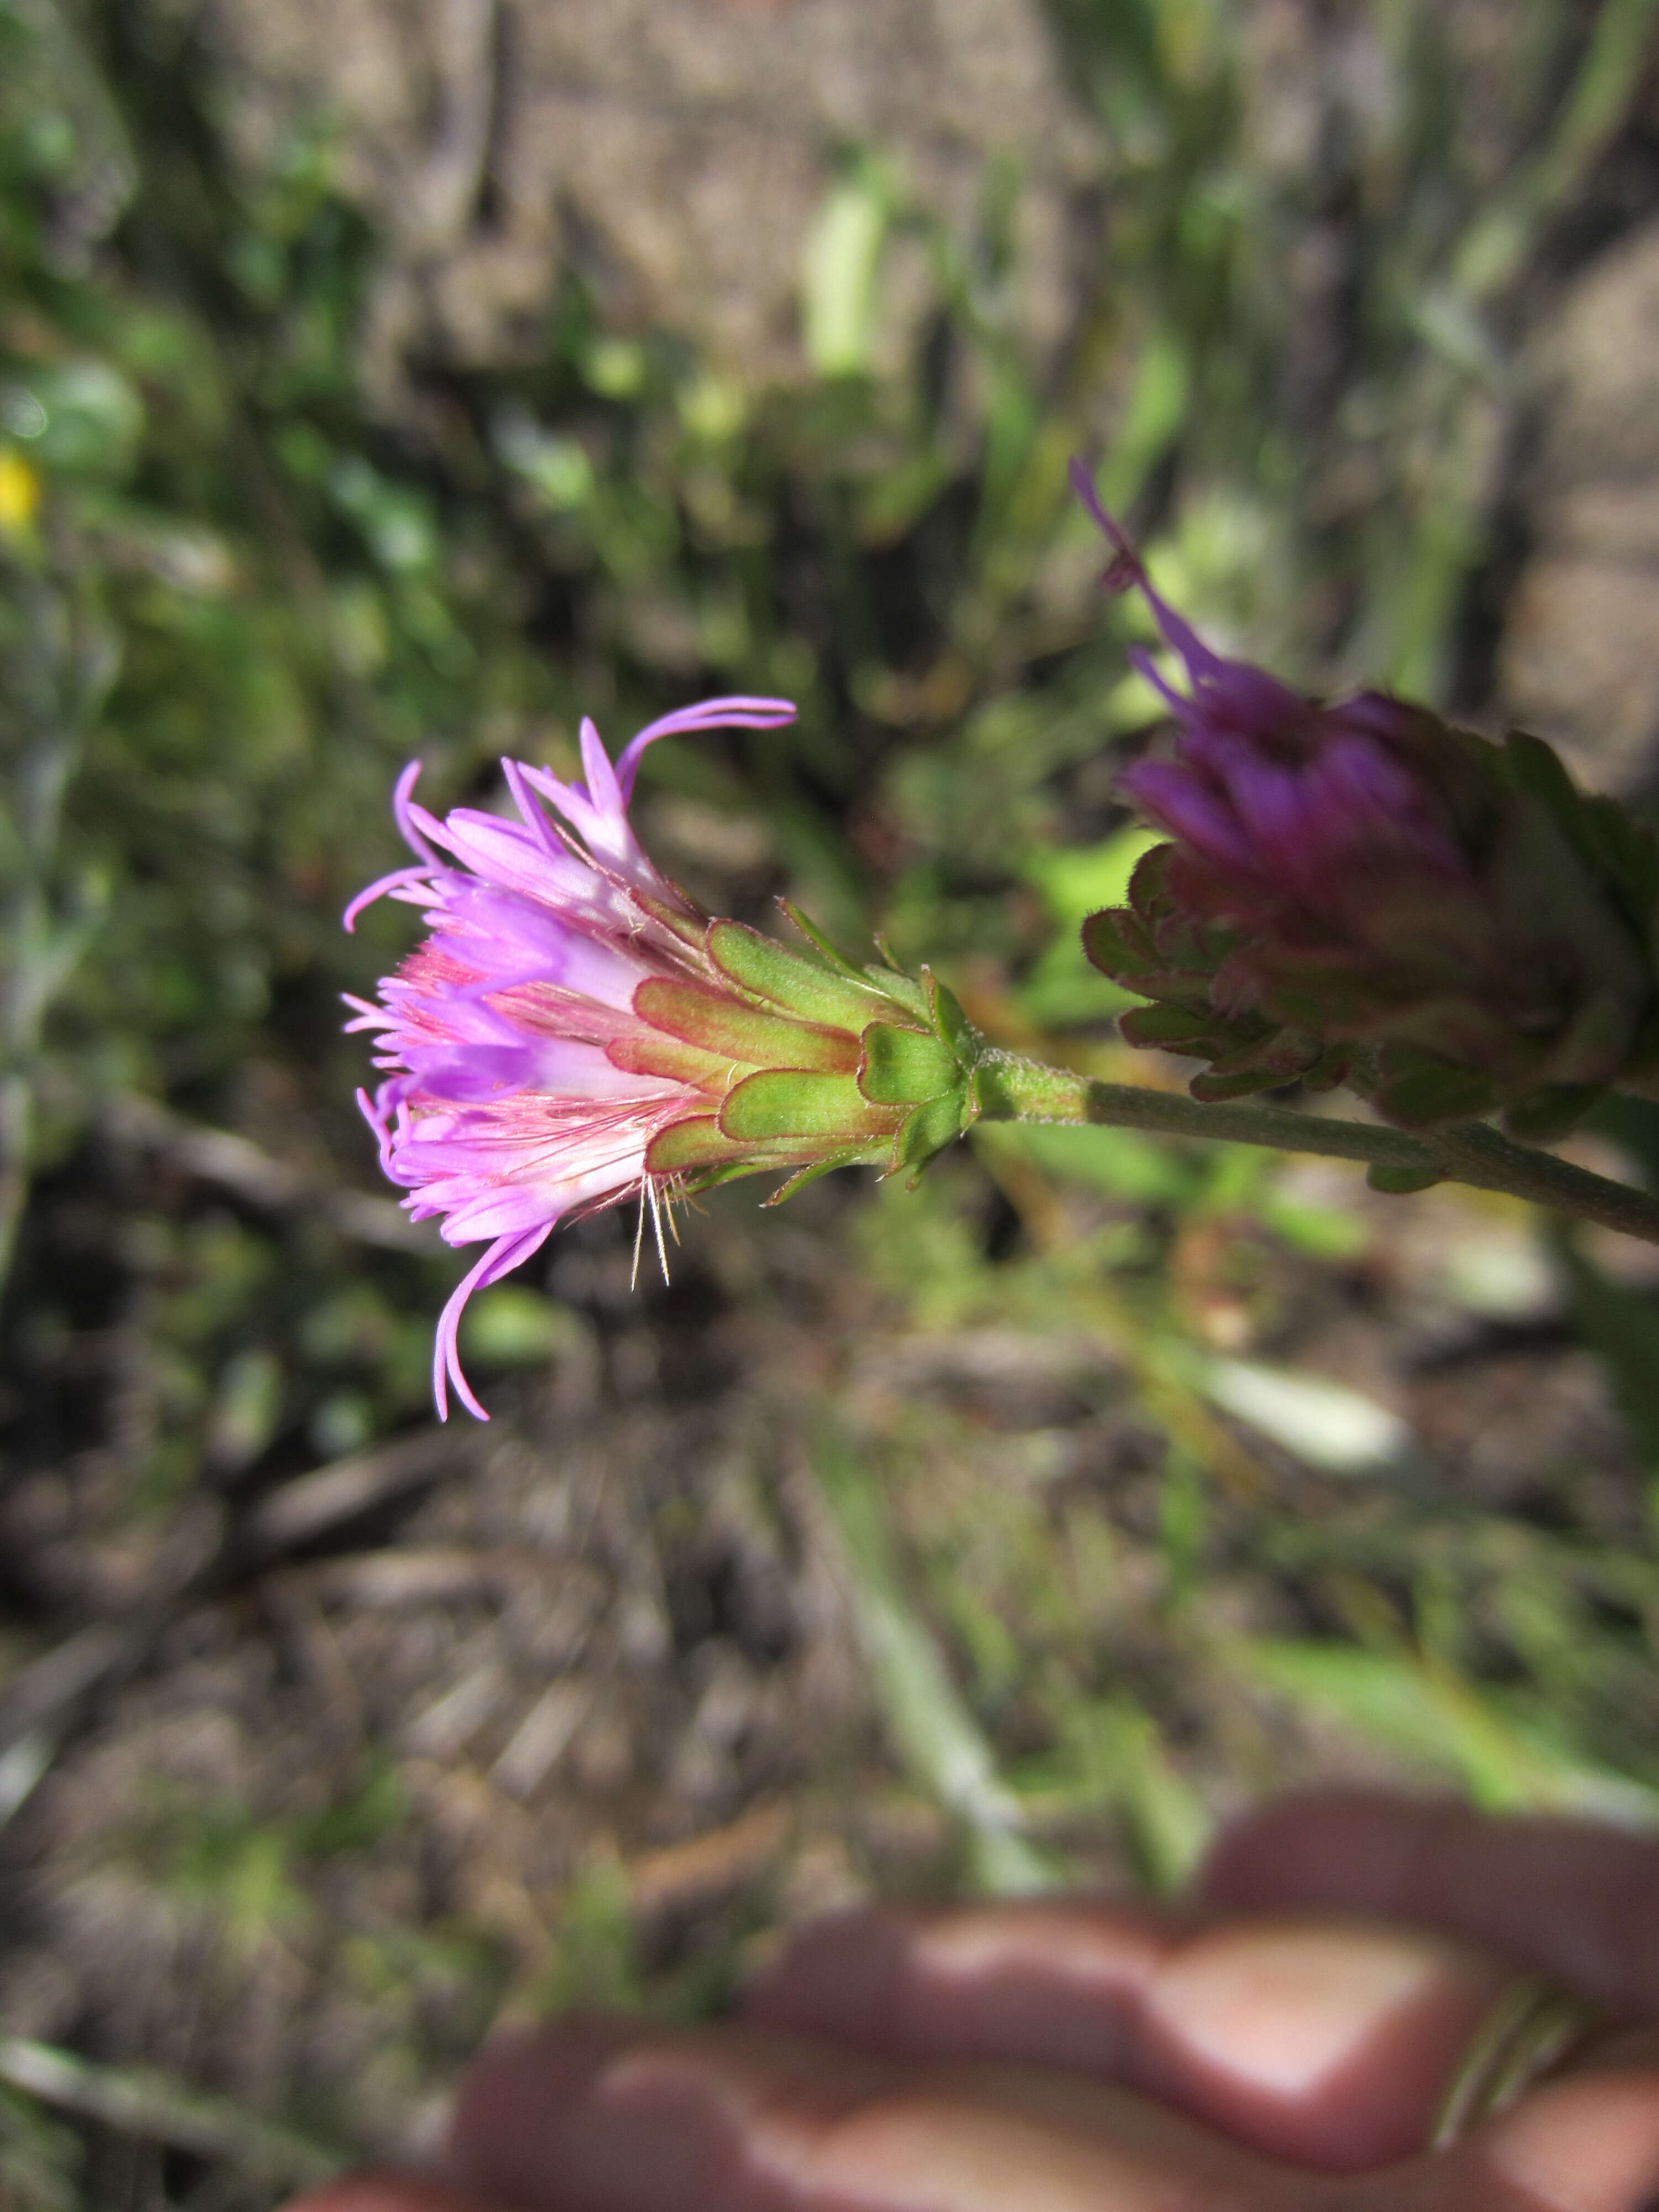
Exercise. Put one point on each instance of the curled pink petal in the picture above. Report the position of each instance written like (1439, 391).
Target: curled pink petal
(1128, 571)
(503, 1256)
(403, 812)
(398, 880)
(737, 713)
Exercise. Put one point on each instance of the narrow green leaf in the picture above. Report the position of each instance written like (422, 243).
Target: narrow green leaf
(857, 1155)
(815, 937)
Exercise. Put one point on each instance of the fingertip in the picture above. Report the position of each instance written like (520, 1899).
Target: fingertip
(1569, 1897)
(1587, 2142)
(524, 2084)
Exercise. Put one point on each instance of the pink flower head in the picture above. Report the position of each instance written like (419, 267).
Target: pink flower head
(575, 1033)
(1359, 891)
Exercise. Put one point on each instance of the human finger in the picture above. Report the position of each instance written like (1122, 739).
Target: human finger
(1587, 2141)
(394, 2193)
(1328, 2042)
(609, 2116)
(1572, 1900)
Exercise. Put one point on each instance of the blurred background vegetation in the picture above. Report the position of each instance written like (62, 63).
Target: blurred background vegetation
(998, 1536)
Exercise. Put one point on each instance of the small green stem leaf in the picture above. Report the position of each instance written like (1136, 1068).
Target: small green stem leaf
(1402, 1182)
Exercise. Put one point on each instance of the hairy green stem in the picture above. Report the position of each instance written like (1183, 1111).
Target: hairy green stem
(1014, 1089)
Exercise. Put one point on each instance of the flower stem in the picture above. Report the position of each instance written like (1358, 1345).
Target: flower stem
(1013, 1088)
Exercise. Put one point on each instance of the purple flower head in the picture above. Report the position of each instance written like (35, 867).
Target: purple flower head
(1357, 891)
(575, 1033)
(1276, 804)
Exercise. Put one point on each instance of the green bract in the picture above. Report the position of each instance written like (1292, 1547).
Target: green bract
(806, 1062)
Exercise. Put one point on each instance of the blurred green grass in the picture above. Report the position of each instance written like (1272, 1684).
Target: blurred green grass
(235, 596)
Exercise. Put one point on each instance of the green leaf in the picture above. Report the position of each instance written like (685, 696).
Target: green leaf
(1537, 768)
(1173, 1026)
(900, 1068)
(1402, 1182)
(1552, 1113)
(903, 992)
(91, 418)
(1123, 1762)
(1148, 894)
(1418, 1091)
(1609, 842)
(1212, 1088)
(1116, 943)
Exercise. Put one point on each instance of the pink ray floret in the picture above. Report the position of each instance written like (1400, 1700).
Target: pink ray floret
(501, 1107)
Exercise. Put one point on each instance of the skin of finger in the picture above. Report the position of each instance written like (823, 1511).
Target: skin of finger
(1587, 2142)
(1057, 1985)
(1327, 2043)
(395, 2192)
(1567, 1897)
(583, 2117)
